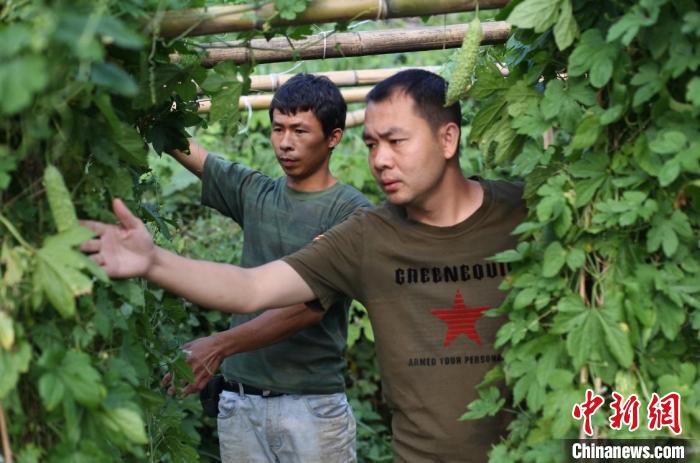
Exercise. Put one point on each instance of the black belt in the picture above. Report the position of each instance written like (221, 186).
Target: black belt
(252, 390)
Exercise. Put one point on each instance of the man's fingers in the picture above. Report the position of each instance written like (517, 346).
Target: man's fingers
(91, 246)
(124, 215)
(98, 227)
(166, 379)
(189, 390)
(98, 259)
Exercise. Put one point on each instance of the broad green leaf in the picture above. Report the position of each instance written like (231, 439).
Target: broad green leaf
(591, 165)
(224, 105)
(649, 82)
(627, 27)
(617, 341)
(612, 114)
(51, 390)
(669, 316)
(115, 31)
(289, 9)
(560, 102)
(595, 55)
(537, 14)
(692, 95)
(486, 117)
(131, 147)
(587, 132)
(488, 404)
(81, 379)
(59, 271)
(669, 172)
(583, 339)
(7, 331)
(488, 81)
(566, 28)
(113, 77)
(575, 259)
(126, 422)
(12, 364)
(14, 37)
(662, 234)
(521, 98)
(524, 298)
(560, 379)
(668, 142)
(20, 79)
(553, 260)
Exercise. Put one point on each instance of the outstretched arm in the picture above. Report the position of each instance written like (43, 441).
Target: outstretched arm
(194, 162)
(127, 250)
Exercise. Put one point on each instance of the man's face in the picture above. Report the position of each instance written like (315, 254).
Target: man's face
(405, 154)
(300, 145)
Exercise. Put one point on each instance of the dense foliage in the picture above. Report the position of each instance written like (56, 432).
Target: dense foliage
(599, 115)
(604, 294)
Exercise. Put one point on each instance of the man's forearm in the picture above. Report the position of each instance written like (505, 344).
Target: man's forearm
(194, 162)
(272, 326)
(227, 287)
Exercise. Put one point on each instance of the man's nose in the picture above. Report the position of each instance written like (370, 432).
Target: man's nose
(382, 157)
(286, 141)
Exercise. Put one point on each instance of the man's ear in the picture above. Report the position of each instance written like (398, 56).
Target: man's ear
(335, 137)
(449, 137)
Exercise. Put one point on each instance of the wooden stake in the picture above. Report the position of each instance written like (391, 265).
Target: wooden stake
(345, 44)
(351, 95)
(236, 18)
(6, 449)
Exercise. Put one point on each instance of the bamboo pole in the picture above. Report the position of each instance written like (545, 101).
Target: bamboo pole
(350, 44)
(263, 101)
(236, 18)
(355, 118)
(271, 82)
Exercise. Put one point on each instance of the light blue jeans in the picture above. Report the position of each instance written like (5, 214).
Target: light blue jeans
(286, 429)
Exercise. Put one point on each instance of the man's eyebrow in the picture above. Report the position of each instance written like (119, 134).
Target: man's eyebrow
(294, 125)
(387, 133)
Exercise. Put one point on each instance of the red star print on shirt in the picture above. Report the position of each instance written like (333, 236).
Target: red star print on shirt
(460, 320)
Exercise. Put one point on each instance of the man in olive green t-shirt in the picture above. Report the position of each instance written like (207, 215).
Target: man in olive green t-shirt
(284, 397)
(418, 263)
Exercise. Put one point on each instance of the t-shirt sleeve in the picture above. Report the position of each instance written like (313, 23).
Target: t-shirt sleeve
(332, 264)
(225, 185)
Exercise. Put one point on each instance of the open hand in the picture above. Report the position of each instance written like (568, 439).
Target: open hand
(124, 250)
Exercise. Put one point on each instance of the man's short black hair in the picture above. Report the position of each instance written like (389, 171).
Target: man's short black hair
(306, 92)
(427, 90)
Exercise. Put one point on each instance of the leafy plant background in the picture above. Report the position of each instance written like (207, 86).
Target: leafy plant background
(605, 288)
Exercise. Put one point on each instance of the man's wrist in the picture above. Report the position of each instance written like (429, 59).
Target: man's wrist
(156, 259)
(225, 342)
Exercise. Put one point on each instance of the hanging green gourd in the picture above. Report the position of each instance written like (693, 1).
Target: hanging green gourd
(460, 82)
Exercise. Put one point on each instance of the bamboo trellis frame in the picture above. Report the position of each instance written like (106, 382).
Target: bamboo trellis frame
(346, 44)
(271, 82)
(351, 95)
(236, 18)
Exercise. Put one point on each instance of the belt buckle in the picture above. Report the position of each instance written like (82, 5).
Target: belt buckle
(266, 392)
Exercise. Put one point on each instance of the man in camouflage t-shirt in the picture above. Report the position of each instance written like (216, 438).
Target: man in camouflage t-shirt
(418, 263)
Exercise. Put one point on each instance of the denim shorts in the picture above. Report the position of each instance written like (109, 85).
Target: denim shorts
(286, 429)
